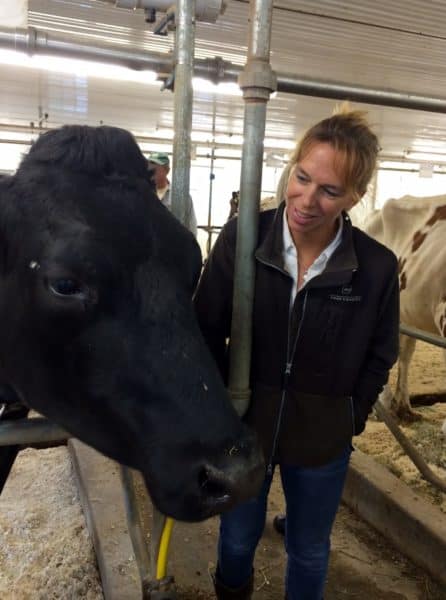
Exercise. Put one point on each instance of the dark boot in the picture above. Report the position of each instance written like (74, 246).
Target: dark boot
(222, 592)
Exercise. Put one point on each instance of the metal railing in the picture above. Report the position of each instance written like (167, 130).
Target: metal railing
(385, 415)
(419, 334)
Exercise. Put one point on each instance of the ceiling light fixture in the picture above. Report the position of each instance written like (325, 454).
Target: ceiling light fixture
(80, 68)
(224, 88)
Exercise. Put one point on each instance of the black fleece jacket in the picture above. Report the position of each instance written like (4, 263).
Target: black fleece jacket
(339, 341)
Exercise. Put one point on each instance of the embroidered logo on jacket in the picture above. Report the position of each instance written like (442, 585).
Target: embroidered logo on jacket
(345, 295)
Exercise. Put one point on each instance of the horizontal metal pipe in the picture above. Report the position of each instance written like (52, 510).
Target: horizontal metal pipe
(30, 431)
(419, 334)
(291, 84)
(141, 139)
(385, 415)
(33, 41)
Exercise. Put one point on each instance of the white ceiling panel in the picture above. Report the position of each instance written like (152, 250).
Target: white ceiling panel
(398, 45)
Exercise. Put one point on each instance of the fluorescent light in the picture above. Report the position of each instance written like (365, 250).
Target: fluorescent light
(81, 68)
(225, 88)
(10, 155)
(16, 136)
(425, 156)
(279, 143)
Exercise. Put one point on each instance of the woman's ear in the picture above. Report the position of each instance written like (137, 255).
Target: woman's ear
(351, 204)
(355, 199)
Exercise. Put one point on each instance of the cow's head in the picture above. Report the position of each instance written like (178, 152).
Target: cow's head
(97, 325)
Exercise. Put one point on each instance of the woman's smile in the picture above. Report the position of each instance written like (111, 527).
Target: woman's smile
(302, 217)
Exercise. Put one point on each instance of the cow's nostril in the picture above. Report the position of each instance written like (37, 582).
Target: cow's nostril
(213, 482)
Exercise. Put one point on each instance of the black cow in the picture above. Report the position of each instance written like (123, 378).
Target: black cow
(97, 326)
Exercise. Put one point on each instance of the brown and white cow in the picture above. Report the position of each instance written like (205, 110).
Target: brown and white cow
(415, 229)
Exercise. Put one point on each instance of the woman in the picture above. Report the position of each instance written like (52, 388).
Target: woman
(325, 334)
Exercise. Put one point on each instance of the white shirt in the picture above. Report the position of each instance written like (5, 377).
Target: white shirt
(161, 192)
(190, 220)
(290, 257)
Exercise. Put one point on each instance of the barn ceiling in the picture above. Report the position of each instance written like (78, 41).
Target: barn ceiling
(398, 45)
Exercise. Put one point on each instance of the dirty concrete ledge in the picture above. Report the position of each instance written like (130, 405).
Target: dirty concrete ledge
(415, 526)
(100, 490)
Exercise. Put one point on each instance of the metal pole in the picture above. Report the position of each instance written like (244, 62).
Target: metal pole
(385, 415)
(257, 82)
(291, 84)
(33, 41)
(24, 432)
(211, 178)
(139, 542)
(183, 99)
(184, 67)
(419, 334)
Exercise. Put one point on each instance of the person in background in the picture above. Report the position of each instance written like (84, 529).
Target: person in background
(325, 335)
(233, 204)
(159, 164)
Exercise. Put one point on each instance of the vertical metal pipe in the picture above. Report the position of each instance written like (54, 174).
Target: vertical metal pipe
(183, 98)
(261, 14)
(139, 543)
(257, 82)
(211, 178)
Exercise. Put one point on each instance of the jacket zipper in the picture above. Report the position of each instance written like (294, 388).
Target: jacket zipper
(353, 415)
(289, 364)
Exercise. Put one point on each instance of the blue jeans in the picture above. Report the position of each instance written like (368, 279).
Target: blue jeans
(312, 498)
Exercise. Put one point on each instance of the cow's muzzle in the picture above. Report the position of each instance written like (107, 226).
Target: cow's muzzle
(209, 487)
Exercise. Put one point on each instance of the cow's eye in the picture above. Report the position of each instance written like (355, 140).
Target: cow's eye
(66, 287)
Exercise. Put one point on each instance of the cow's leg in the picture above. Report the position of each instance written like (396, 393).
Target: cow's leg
(13, 410)
(400, 404)
(386, 397)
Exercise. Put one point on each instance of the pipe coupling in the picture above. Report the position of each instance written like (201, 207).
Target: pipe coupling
(257, 80)
(37, 40)
(216, 68)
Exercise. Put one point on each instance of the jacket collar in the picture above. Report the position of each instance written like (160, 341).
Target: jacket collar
(340, 267)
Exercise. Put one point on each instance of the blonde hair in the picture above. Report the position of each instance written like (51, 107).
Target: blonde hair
(349, 133)
(283, 183)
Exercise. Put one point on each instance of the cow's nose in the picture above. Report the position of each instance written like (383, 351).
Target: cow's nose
(214, 483)
(238, 479)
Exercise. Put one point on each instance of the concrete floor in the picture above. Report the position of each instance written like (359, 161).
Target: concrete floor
(363, 563)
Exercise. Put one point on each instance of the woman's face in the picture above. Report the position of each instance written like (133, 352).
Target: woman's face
(315, 195)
